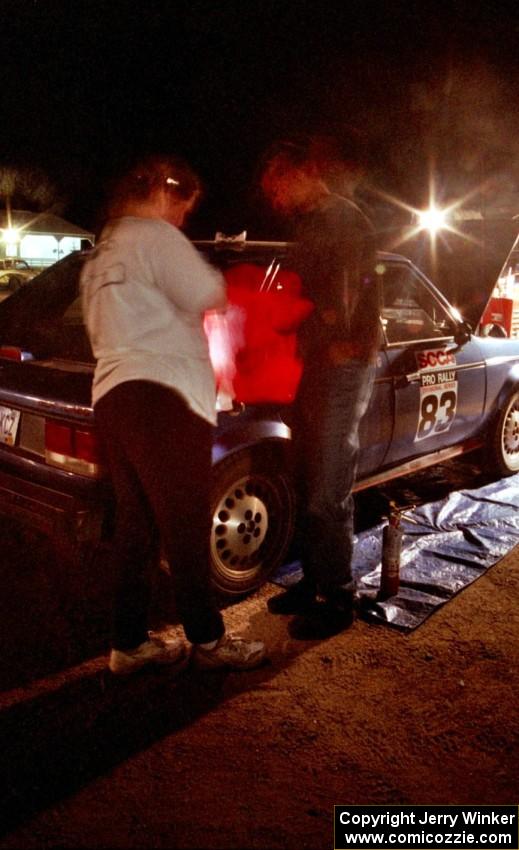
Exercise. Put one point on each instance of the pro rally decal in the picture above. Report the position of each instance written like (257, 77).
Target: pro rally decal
(438, 392)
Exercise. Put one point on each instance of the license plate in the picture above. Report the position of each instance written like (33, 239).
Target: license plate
(9, 420)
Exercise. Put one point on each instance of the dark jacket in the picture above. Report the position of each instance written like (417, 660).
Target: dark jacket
(334, 254)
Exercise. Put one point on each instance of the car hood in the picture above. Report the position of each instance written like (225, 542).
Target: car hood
(464, 263)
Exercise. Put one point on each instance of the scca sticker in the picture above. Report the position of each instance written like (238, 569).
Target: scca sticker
(438, 392)
(435, 359)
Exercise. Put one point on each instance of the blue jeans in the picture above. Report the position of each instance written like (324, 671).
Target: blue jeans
(330, 404)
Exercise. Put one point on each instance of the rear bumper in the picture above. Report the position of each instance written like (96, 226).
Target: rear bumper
(69, 520)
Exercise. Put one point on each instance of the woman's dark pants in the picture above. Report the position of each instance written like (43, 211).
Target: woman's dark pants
(159, 457)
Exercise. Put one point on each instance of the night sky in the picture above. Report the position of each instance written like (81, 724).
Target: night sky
(87, 85)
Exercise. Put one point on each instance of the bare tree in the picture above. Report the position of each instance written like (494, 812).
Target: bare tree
(28, 187)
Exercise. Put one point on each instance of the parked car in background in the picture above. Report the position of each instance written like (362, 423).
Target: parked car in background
(440, 391)
(14, 272)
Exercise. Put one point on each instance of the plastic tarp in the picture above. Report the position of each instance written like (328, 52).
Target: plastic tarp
(447, 544)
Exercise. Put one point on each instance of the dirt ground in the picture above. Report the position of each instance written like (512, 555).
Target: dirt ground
(256, 759)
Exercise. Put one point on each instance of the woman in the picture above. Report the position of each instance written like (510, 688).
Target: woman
(145, 289)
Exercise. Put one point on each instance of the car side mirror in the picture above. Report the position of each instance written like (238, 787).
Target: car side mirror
(463, 333)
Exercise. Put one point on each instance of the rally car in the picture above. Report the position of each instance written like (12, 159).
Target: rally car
(440, 390)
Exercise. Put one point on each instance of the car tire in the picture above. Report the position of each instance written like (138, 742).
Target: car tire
(253, 510)
(503, 444)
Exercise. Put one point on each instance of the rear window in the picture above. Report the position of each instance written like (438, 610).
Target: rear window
(44, 317)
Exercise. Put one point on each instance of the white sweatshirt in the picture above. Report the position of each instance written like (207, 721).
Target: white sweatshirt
(145, 289)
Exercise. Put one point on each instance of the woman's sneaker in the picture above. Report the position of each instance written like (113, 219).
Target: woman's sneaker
(230, 651)
(153, 651)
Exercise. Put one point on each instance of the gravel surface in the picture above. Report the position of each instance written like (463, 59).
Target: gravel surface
(247, 760)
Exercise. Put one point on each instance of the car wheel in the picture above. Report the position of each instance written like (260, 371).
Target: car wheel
(253, 509)
(504, 438)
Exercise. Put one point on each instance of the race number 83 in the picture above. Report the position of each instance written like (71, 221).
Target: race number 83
(437, 411)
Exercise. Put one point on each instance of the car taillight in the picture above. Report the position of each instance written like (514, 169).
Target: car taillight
(73, 449)
(11, 352)
(87, 446)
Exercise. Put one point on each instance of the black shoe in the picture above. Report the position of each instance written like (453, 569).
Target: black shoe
(322, 621)
(298, 599)
(338, 596)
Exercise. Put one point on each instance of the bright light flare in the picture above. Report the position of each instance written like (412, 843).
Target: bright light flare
(433, 219)
(437, 222)
(10, 235)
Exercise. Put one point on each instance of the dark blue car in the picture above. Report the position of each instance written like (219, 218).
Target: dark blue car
(440, 391)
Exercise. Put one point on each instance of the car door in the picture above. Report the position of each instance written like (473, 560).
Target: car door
(376, 427)
(438, 386)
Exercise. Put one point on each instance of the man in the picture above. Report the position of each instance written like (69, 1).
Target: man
(334, 254)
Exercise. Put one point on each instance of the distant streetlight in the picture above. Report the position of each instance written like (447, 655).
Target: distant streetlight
(11, 239)
(11, 235)
(432, 219)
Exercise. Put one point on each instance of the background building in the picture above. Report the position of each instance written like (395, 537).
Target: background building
(39, 238)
